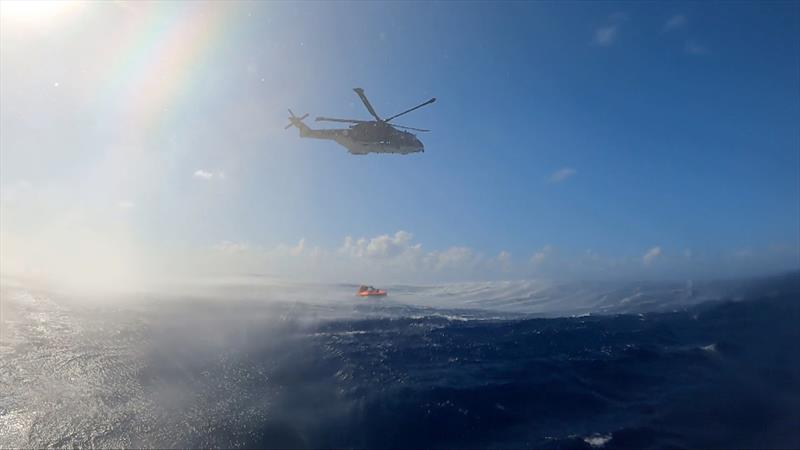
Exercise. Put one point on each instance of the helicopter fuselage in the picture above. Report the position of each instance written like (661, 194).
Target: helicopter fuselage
(368, 137)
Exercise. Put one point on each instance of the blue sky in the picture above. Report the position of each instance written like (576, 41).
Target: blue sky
(569, 139)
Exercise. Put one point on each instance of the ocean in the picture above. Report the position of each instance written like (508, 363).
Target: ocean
(258, 363)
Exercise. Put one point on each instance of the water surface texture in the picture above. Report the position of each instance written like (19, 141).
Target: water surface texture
(236, 368)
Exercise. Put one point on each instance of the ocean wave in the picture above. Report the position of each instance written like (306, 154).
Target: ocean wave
(238, 372)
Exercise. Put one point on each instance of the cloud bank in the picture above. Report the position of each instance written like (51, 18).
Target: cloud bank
(99, 244)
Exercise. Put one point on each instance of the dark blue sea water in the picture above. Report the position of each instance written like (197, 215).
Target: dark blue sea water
(241, 372)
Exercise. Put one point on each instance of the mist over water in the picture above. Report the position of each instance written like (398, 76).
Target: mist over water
(254, 363)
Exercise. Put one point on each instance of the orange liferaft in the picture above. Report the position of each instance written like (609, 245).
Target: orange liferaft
(372, 293)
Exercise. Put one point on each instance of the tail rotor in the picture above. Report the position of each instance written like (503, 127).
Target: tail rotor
(294, 120)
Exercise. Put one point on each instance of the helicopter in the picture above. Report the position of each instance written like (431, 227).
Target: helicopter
(366, 136)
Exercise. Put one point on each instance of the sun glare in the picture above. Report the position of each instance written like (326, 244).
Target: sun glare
(34, 11)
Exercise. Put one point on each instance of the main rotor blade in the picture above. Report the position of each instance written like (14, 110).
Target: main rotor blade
(412, 109)
(409, 128)
(360, 93)
(330, 119)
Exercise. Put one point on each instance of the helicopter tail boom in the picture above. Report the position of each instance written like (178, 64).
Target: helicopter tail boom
(307, 132)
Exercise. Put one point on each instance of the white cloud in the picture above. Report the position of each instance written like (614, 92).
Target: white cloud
(651, 255)
(562, 174)
(453, 258)
(386, 246)
(287, 250)
(380, 247)
(298, 249)
(675, 22)
(386, 258)
(125, 205)
(352, 247)
(503, 259)
(693, 48)
(232, 247)
(207, 175)
(398, 254)
(200, 173)
(605, 36)
(396, 258)
(542, 255)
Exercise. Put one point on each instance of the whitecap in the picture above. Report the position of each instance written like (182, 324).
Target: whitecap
(597, 440)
